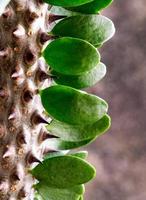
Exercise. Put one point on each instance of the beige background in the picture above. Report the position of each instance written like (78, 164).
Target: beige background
(120, 155)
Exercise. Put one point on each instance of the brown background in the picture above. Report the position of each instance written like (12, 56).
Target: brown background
(120, 155)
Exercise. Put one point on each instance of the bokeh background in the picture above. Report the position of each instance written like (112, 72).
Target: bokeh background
(120, 155)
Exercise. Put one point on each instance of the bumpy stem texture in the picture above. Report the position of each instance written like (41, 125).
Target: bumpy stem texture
(22, 72)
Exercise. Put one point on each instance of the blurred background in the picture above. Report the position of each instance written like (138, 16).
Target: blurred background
(120, 155)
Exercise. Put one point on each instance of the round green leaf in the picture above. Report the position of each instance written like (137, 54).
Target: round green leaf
(96, 29)
(72, 106)
(93, 7)
(67, 3)
(63, 172)
(80, 132)
(85, 80)
(71, 56)
(59, 194)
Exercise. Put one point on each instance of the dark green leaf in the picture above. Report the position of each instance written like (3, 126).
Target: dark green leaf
(63, 172)
(67, 3)
(71, 56)
(85, 80)
(96, 29)
(93, 7)
(80, 132)
(72, 106)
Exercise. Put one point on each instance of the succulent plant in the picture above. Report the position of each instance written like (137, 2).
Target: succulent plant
(48, 52)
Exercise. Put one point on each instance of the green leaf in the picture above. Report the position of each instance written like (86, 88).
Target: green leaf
(59, 194)
(58, 144)
(96, 29)
(93, 7)
(80, 132)
(71, 56)
(85, 80)
(63, 172)
(67, 3)
(72, 106)
(3, 4)
(80, 154)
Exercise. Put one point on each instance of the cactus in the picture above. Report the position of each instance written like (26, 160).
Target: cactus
(44, 115)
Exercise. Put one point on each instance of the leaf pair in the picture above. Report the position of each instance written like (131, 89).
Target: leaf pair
(85, 80)
(95, 29)
(63, 172)
(72, 106)
(72, 193)
(77, 133)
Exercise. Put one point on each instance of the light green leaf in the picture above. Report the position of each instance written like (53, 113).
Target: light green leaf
(96, 29)
(63, 172)
(67, 3)
(85, 80)
(93, 7)
(71, 56)
(72, 106)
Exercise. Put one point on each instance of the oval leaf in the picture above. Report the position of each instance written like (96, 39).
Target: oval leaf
(71, 56)
(81, 132)
(96, 29)
(72, 106)
(93, 7)
(67, 3)
(59, 194)
(85, 80)
(63, 172)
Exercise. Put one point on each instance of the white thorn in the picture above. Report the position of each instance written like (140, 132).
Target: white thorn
(20, 31)
(11, 116)
(10, 151)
